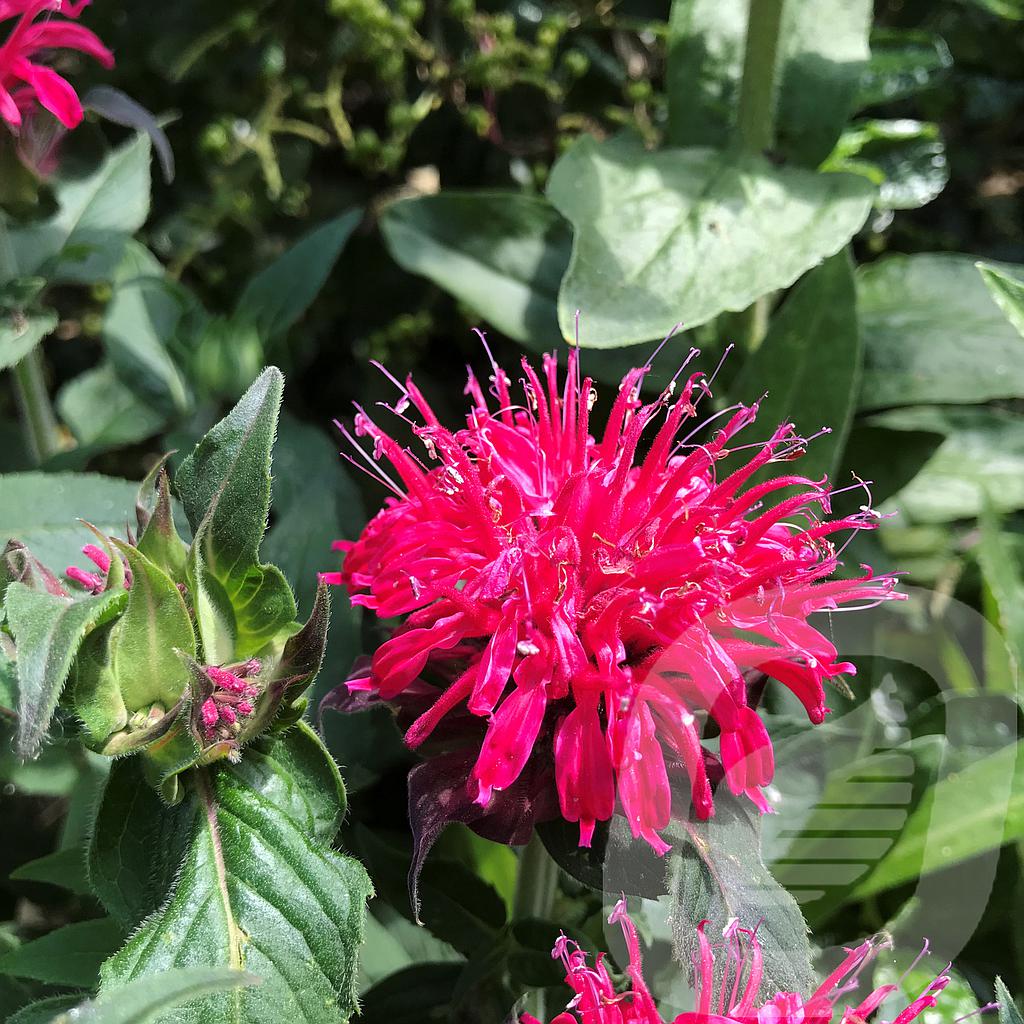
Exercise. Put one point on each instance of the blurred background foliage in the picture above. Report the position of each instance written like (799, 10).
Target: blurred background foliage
(364, 180)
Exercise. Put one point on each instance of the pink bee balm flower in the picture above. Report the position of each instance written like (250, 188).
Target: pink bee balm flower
(595, 597)
(23, 81)
(736, 995)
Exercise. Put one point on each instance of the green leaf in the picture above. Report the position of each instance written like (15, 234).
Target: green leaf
(933, 334)
(104, 413)
(502, 254)
(64, 868)
(1011, 10)
(48, 631)
(145, 642)
(683, 235)
(715, 872)
(159, 540)
(41, 510)
(45, 1011)
(457, 906)
(417, 994)
(225, 488)
(950, 823)
(1007, 290)
(1002, 572)
(20, 333)
(909, 977)
(140, 322)
(819, 72)
(983, 453)
(315, 503)
(276, 297)
(83, 241)
(907, 159)
(809, 363)
(137, 845)
(1008, 1012)
(260, 889)
(67, 956)
(902, 63)
(154, 998)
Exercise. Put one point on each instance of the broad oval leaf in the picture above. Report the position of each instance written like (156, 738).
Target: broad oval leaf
(933, 334)
(83, 241)
(260, 889)
(42, 510)
(683, 235)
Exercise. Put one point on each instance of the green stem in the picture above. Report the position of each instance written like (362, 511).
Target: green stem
(37, 416)
(536, 882)
(536, 885)
(755, 119)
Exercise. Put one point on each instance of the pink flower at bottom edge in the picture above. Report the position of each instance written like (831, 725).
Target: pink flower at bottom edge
(736, 996)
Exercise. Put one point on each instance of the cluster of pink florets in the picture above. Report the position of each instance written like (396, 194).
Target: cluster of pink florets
(597, 597)
(95, 582)
(727, 983)
(231, 699)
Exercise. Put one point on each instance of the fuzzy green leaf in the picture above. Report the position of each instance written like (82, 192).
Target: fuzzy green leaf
(260, 889)
(154, 998)
(48, 631)
(716, 872)
(225, 488)
(686, 234)
(146, 639)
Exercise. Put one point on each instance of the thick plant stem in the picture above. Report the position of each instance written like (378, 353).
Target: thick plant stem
(37, 417)
(755, 119)
(535, 896)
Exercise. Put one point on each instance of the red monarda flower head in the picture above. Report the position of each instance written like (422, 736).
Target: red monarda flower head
(595, 596)
(24, 82)
(735, 996)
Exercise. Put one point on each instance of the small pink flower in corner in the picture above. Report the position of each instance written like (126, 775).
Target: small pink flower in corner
(26, 83)
(735, 999)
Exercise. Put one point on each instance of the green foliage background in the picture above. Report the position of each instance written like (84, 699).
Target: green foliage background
(361, 180)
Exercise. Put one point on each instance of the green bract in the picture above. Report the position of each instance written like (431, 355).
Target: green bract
(139, 655)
